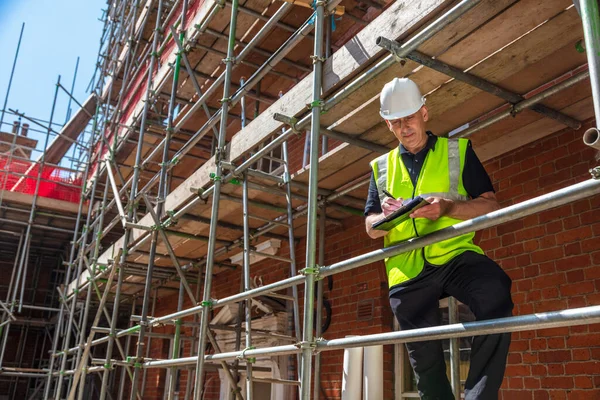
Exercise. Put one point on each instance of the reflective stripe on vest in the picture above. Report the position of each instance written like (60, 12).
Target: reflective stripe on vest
(440, 176)
(453, 169)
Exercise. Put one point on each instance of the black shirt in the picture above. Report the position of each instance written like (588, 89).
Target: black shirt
(475, 178)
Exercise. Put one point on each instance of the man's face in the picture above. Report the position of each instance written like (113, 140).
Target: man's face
(410, 130)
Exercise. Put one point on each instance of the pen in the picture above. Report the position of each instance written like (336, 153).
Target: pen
(388, 194)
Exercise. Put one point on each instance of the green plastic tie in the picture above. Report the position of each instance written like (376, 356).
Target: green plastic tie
(316, 103)
(311, 271)
(234, 181)
(175, 160)
(107, 366)
(137, 365)
(580, 46)
(214, 177)
(76, 291)
(207, 304)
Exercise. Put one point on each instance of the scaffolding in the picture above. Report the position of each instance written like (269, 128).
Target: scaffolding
(144, 48)
(39, 190)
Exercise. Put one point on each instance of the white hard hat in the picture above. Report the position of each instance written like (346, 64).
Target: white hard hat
(400, 98)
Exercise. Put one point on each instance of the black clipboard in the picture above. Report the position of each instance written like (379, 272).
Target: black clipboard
(400, 215)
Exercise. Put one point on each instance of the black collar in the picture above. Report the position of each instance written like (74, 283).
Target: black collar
(430, 145)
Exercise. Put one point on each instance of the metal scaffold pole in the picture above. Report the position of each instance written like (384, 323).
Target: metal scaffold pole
(246, 279)
(219, 157)
(311, 269)
(163, 190)
(64, 354)
(12, 73)
(132, 208)
(590, 18)
(72, 254)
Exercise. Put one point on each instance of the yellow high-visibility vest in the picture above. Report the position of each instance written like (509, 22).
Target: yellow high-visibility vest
(441, 176)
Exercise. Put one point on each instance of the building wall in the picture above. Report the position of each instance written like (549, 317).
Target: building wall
(553, 259)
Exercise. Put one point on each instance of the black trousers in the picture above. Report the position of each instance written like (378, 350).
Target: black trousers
(478, 282)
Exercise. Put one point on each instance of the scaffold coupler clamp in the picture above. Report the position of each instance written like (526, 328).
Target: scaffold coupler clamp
(312, 271)
(393, 47)
(595, 172)
(242, 355)
(291, 121)
(135, 361)
(206, 303)
(307, 345)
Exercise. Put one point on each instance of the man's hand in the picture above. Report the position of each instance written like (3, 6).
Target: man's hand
(437, 207)
(390, 205)
(462, 210)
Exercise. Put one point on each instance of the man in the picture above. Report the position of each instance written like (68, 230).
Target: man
(448, 174)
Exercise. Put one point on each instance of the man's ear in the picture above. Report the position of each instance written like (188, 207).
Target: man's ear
(424, 113)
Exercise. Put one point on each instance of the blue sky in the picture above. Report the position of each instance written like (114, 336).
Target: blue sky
(56, 33)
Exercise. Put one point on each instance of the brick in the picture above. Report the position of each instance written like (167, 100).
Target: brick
(554, 214)
(545, 281)
(517, 370)
(541, 395)
(582, 368)
(580, 354)
(547, 254)
(575, 276)
(554, 356)
(557, 382)
(538, 344)
(554, 227)
(530, 233)
(576, 262)
(573, 235)
(572, 249)
(583, 341)
(573, 289)
(509, 227)
(556, 343)
(556, 369)
(531, 383)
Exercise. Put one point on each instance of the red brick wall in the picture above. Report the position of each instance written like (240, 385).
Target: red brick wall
(552, 258)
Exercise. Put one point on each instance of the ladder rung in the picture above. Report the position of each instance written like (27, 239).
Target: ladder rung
(256, 217)
(258, 253)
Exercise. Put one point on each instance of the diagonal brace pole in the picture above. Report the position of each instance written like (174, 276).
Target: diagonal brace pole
(172, 255)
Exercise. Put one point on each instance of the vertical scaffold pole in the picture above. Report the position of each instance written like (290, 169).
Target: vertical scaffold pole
(219, 157)
(590, 18)
(73, 252)
(248, 308)
(12, 73)
(454, 349)
(163, 189)
(292, 245)
(132, 207)
(83, 240)
(319, 313)
(311, 231)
